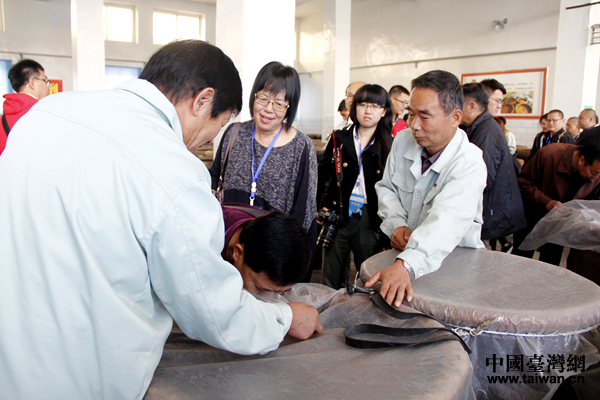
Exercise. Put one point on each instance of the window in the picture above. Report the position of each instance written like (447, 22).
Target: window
(119, 22)
(169, 26)
(4, 82)
(114, 76)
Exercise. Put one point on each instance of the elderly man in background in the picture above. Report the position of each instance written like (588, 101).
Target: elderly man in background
(572, 127)
(110, 232)
(30, 83)
(430, 197)
(350, 92)
(588, 119)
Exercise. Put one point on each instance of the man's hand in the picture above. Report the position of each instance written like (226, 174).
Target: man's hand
(305, 321)
(400, 237)
(552, 204)
(395, 281)
(319, 222)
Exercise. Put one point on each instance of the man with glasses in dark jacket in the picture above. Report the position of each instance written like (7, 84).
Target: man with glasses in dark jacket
(503, 212)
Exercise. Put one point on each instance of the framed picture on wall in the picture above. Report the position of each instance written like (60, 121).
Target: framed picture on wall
(55, 86)
(525, 91)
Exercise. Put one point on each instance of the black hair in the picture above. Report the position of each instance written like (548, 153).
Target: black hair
(447, 87)
(544, 117)
(502, 119)
(589, 147)
(273, 78)
(476, 91)
(398, 89)
(383, 133)
(556, 111)
(342, 106)
(491, 85)
(276, 244)
(183, 68)
(20, 73)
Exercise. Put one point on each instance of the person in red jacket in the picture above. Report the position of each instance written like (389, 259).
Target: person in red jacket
(29, 81)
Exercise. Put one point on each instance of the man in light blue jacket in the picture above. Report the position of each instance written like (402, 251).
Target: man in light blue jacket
(430, 197)
(109, 231)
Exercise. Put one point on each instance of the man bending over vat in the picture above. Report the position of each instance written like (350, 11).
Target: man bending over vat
(430, 197)
(271, 250)
(109, 232)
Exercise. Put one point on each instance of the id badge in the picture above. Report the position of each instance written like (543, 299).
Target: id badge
(356, 204)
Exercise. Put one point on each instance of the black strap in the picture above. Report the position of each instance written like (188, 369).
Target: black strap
(5, 125)
(235, 130)
(338, 172)
(337, 169)
(232, 138)
(394, 337)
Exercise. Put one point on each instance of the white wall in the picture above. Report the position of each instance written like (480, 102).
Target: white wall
(393, 42)
(41, 30)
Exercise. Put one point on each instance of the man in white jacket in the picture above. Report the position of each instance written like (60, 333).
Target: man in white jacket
(109, 231)
(430, 196)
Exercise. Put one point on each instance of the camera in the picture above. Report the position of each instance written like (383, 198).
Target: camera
(330, 221)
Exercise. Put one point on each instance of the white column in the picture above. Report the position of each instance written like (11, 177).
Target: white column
(253, 33)
(577, 62)
(336, 66)
(87, 39)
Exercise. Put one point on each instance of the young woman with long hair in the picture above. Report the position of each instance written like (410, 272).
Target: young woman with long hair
(353, 161)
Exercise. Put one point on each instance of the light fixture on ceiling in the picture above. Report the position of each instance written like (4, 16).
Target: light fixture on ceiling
(499, 25)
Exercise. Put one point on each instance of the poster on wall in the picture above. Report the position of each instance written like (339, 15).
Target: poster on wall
(525, 91)
(55, 86)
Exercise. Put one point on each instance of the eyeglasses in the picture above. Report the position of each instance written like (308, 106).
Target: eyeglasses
(264, 100)
(372, 105)
(405, 102)
(43, 79)
(555, 120)
(499, 101)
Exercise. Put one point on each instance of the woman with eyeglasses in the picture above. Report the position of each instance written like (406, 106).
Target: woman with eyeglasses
(270, 164)
(352, 163)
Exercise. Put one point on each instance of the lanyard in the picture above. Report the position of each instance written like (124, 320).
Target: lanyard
(264, 158)
(360, 151)
(547, 140)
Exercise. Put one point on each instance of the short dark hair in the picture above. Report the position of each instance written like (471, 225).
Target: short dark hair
(276, 244)
(273, 78)
(476, 91)
(183, 68)
(342, 106)
(447, 87)
(544, 117)
(491, 85)
(383, 133)
(20, 73)
(589, 146)
(397, 89)
(556, 111)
